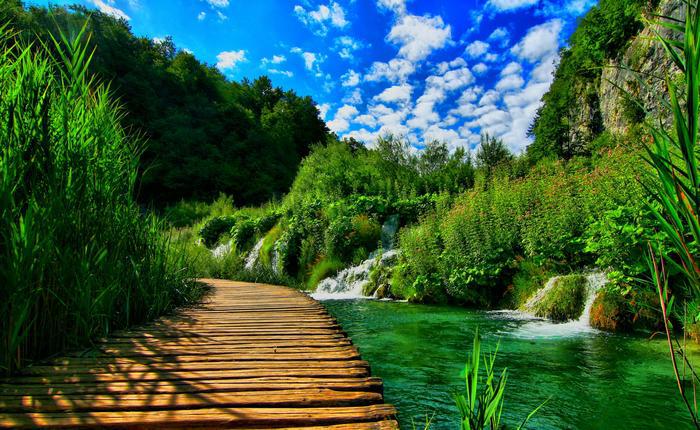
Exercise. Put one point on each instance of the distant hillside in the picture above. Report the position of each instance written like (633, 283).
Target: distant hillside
(204, 134)
(584, 108)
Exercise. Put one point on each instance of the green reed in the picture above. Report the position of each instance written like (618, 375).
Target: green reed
(78, 259)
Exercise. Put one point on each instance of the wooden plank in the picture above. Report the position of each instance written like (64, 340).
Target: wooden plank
(250, 356)
(223, 417)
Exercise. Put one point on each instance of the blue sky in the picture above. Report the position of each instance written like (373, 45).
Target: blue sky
(423, 69)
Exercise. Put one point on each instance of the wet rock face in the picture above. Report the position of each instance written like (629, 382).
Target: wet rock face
(646, 57)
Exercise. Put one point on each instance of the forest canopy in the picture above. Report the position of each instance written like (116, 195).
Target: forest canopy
(203, 134)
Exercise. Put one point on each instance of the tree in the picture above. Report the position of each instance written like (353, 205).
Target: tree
(492, 152)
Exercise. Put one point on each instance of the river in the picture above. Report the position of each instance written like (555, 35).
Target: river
(596, 380)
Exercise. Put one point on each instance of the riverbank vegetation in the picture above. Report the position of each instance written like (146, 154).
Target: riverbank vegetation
(78, 258)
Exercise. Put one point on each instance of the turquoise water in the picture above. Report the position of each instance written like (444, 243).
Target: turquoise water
(596, 380)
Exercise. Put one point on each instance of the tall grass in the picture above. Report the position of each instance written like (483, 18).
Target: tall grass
(77, 257)
(675, 188)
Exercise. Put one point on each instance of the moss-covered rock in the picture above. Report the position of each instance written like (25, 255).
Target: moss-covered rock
(638, 310)
(565, 300)
(610, 312)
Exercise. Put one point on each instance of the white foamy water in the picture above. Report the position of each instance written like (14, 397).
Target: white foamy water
(253, 256)
(349, 283)
(536, 327)
(222, 250)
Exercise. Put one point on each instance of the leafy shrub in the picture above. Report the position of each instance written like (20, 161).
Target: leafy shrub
(610, 312)
(565, 300)
(186, 213)
(528, 279)
(215, 228)
(243, 233)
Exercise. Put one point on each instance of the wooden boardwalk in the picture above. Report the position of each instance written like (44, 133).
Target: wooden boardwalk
(252, 356)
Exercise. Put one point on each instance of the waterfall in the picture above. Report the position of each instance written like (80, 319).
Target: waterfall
(389, 229)
(252, 258)
(349, 283)
(535, 327)
(222, 250)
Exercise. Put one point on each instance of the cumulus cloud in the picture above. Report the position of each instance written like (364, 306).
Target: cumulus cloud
(346, 46)
(350, 79)
(396, 70)
(323, 109)
(444, 66)
(395, 94)
(218, 3)
(366, 119)
(341, 120)
(419, 36)
(397, 6)
(201, 16)
(540, 41)
(480, 68)
(286, 73)
(510, 82)
(325, 15)
(276, 59)
(228, 59)
(311, 60)
(508, 5)
(476, 49)
(354, 98)
(108, 8)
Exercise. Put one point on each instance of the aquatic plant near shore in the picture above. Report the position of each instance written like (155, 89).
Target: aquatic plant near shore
(481, 404)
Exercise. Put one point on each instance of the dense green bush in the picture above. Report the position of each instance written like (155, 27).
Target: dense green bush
(215, 228)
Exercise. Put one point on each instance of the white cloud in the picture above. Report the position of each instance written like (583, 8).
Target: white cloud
(510, 82)
(507, 5)
(476, 49)
(323, 109)
(201, 16)
(331, 14)
(286, 73)
(491, 57)
(511, 68)
(540, 41)
(345, 46)
(218, 3)
(499, 34)
(354, 98)
(489, 97)
(221, 16)
(311, 60)
(367, 120)
(397, 6)
(229, 59)
(395, 94)
(351, 79)
(544, 71)
(419, 36)
(341, 119)
(480, 68)
(109, 9)
(396, 70)
(444, 66)
(451, 80)
(276, 59)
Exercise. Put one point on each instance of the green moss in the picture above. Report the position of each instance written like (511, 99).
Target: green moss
(325, 268)
(565, 301)
(268, 245)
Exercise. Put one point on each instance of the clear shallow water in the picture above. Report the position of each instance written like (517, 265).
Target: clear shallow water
(596, 380)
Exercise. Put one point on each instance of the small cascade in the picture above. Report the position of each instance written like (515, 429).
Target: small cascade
(389, 229)
(532, 303)
(539, 327)
(275, 260)
(349, 283)
(252, 258)
(222, 250)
